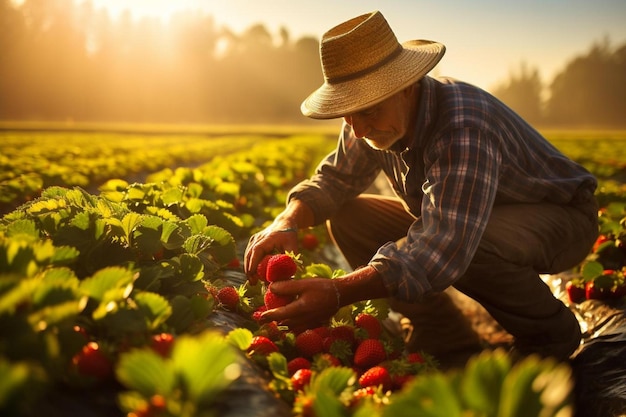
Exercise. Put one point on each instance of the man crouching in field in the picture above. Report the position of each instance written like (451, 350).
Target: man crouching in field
(484, 203)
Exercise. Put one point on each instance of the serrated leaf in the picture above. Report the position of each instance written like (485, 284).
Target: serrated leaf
(104, 280)
(154, 307)
(482, 380)
(146, 372)
(334, 379)
(182, 315)
(328, 405)
(429, 395)
(197, 223)
(214, 365)
(318, 270)
(240, 338)
(25, 227)
(22, 292)
(277, 363)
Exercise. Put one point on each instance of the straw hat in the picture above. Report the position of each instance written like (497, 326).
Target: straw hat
(363, 64)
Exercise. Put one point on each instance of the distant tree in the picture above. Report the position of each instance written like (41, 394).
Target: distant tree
(591, 91)
(522, 92)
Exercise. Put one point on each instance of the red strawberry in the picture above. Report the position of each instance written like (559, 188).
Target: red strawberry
(322, 331)
(309, 241)
(370, 324)
(376, 376)
(90, 361)
(575, 291)
(309, 343)
(271, 331)
(228, 297)
(415, 357)
(298, 363)
(344, 332)
(262, 345)
(280, 267)
(256, 315)
(274, 301)
(162, 344)
(261, 268)
(369, 352)
(301, 378)
(325, 360)
(599, 288)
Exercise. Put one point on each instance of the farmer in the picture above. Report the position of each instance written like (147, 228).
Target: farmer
(484, 203)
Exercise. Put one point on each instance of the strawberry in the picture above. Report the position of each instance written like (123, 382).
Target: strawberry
(228, 297)
(309, 343)
(309, 241)
(280, 267)
(599, 288)
(325, 360)
(575, 291)
(274, 301)
(261, 268)
(374, 377)
(162, 344)
(298, 363)
(301, 378)
(344, 332)
(256, 315)
(271, 331)
(369, 352)
(90, 361)
(262, 345)
(323, 331)
(415, 357)
(370, 324)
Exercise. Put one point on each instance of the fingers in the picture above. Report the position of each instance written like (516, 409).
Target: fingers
(264, 243)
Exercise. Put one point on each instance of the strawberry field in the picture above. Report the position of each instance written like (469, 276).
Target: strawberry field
(122, 291)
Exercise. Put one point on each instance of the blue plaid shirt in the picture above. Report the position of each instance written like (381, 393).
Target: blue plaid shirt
(467, 153)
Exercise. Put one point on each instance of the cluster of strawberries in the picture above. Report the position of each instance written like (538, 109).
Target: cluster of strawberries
(362, 344)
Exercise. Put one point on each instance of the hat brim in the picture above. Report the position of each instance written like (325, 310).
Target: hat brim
(333, 100)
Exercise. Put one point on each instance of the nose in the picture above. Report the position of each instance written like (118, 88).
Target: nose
(359, 125)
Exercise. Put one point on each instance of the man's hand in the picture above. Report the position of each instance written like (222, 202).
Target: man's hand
(274, 238)
(280, 236)
(317, 301)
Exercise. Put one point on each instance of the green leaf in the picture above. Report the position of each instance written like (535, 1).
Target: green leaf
(591, 269)
(214, 366)
(482, 380)
(129, 223)
(147, 372)
(334, 379)
(24, 227)
(10, 300)
(240, 338)
(182, 315)
(197, 223)
(106, 279)
(154, 307)
(428, 395)
(191, 268)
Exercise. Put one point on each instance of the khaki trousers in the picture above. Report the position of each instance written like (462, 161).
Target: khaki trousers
(521, 242)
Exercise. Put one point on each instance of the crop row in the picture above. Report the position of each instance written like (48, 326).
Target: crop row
(114, 304)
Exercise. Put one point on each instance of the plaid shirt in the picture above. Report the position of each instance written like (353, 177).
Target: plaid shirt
(467, 153)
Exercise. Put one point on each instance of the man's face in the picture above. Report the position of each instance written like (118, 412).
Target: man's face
(385, 123)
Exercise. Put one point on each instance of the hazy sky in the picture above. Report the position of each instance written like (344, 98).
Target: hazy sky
(486, 39)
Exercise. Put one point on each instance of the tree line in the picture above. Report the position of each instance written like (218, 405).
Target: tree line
(63, 61)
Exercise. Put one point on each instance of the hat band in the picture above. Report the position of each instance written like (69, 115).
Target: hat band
(364, 71)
